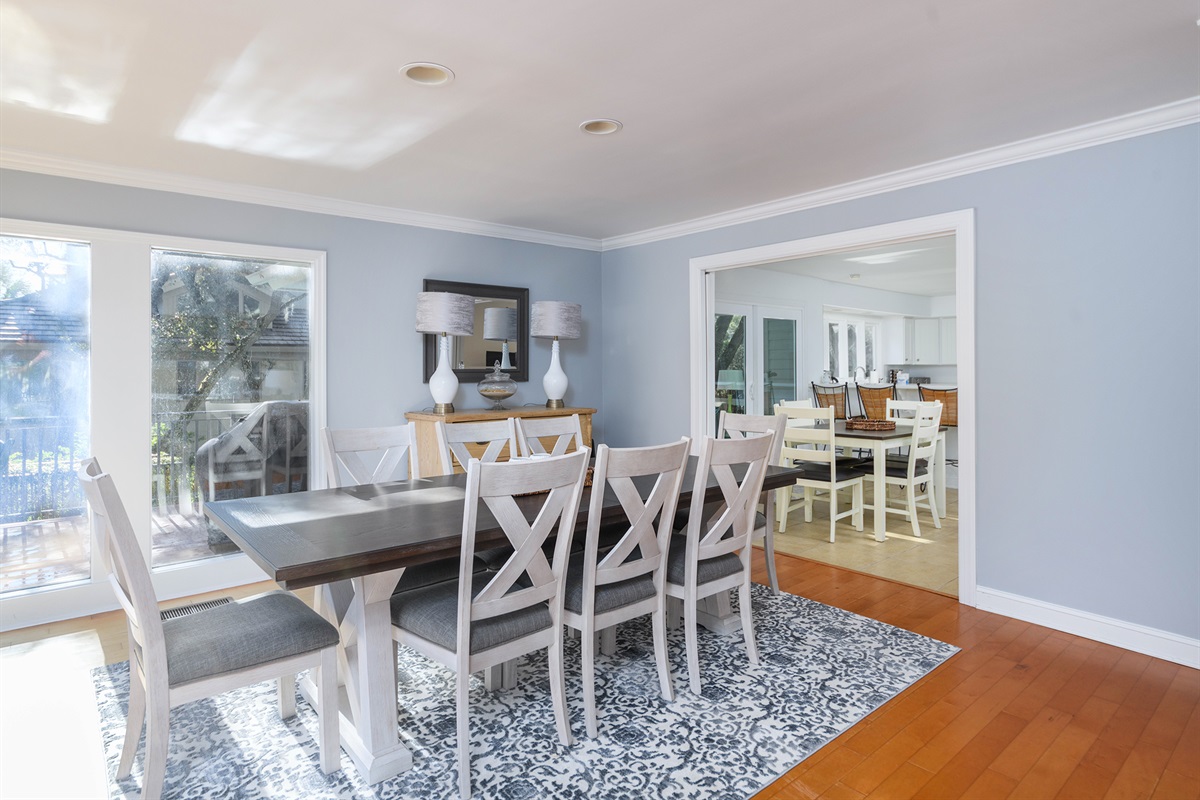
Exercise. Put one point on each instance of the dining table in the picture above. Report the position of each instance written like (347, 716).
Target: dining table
(878, 443)
(353, 544)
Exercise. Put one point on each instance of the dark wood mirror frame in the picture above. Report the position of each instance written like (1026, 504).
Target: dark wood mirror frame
(521, 346)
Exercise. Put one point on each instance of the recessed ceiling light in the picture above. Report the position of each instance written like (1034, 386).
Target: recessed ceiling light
(427, 73)
(854, 276)
(886, 258)
(600, 127)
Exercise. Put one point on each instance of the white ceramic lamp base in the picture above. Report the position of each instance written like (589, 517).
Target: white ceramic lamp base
(555, 381)
(443, 383)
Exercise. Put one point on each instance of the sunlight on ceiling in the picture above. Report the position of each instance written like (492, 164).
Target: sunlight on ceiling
(69, 71)
(322, 113)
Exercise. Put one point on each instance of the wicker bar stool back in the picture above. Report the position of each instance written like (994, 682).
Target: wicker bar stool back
(949, 400)
(874, 399)
(831, 396)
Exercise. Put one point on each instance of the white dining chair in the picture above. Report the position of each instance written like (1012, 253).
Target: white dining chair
(738, 426)
(565, 431)
(172, 662)
(604, 589)
(712, 554)
(809, 445)
(917, 469)
(491, 438)
(371, 455)
(478, 622)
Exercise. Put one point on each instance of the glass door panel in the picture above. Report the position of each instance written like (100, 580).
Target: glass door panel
(231, 365)
(729, 365)
(44, 417)
(780, 361)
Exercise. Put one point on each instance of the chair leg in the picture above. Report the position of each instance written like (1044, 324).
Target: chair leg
(783, 499)
(158, 739)
(858, 506)
(690, 636)
(931, 496)
(608, 640)
(134, 720)
(833, 504)
(287, 696)
(911, 496)
(327, 712)
(493, 678)
(747, 619)
(587, 647)
(769, 552)
(558, 688)
(658, 622)
(462, 700)
(808, 503)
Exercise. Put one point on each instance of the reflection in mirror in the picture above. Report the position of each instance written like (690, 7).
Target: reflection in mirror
(501, 329)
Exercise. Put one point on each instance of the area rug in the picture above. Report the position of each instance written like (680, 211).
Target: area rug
(822, 670)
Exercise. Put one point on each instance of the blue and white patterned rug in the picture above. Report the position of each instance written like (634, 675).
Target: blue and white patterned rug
(822, 670)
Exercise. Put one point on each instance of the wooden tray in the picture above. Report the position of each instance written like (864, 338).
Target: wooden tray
(870, 425)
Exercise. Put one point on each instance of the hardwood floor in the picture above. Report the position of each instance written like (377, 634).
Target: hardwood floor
(1022, 712)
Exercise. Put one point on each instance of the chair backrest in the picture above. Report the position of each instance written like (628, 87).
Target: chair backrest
(127, 571)
(831, 396)
(554, 486)
(739, 426)
(784, 409)
(564, 430)
(811, 440)
(496, 434)
(949, 400)
(925, 419)
(392, 451)
(873, 399)
(641, 548)
(729, 530)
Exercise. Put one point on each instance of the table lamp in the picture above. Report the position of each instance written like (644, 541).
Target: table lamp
(555, 319)
(445, 314)
(500, 325)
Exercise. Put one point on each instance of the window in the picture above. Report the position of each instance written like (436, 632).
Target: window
(109, 346)
(850, 346)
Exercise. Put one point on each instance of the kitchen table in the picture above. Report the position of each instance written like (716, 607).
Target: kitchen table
(353, 544)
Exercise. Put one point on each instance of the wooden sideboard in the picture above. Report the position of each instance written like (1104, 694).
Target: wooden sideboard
(431, 463)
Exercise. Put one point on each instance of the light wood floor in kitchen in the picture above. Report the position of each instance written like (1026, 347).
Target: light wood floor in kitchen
(929, 561)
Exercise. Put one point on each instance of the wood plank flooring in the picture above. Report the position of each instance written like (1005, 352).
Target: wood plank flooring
(1022, 712)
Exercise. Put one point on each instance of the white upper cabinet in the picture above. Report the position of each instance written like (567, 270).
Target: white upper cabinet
(920, 340)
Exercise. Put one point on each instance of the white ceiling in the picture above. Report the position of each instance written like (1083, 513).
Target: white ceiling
(922, 267)
(725, 105)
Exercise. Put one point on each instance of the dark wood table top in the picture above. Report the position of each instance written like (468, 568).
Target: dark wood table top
(309, 538)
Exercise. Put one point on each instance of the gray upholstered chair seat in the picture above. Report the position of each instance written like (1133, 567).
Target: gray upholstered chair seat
(681, 517)
(427, 574)
(608, 596)
(710, 569)
(898, 467)
(431, 612)
(494, 557)
(845, 470)
(239, 635)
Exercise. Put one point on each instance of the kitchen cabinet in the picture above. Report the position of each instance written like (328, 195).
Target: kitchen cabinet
(920, 340)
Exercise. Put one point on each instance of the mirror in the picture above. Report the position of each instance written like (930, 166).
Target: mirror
(472, 356)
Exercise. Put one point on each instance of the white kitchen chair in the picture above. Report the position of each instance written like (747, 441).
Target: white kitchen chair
(738, 426)
(604, 589)
(712, 555)
(478, 622)
(391, 454)
(917, 469)
(172, 662)
(810, 446)
(494, 436)
(565, 431)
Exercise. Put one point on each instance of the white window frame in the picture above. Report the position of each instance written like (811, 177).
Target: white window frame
(843, 321)
(121, 408)
(755, 349)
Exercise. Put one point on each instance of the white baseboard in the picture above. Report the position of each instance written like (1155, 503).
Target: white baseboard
(1131, 636)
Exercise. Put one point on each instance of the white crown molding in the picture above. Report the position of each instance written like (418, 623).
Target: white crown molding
(220, 190)
(1138, 638)
(1172, 115)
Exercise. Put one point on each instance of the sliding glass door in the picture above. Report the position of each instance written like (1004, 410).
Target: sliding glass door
(756, 358)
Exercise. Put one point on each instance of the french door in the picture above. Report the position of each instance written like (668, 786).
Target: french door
(143, 351)
(756, 358)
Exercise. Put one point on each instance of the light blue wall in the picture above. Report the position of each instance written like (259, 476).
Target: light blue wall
(1087, 357)
(374, 271)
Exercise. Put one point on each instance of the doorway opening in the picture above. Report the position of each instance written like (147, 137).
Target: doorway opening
(870, 306)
